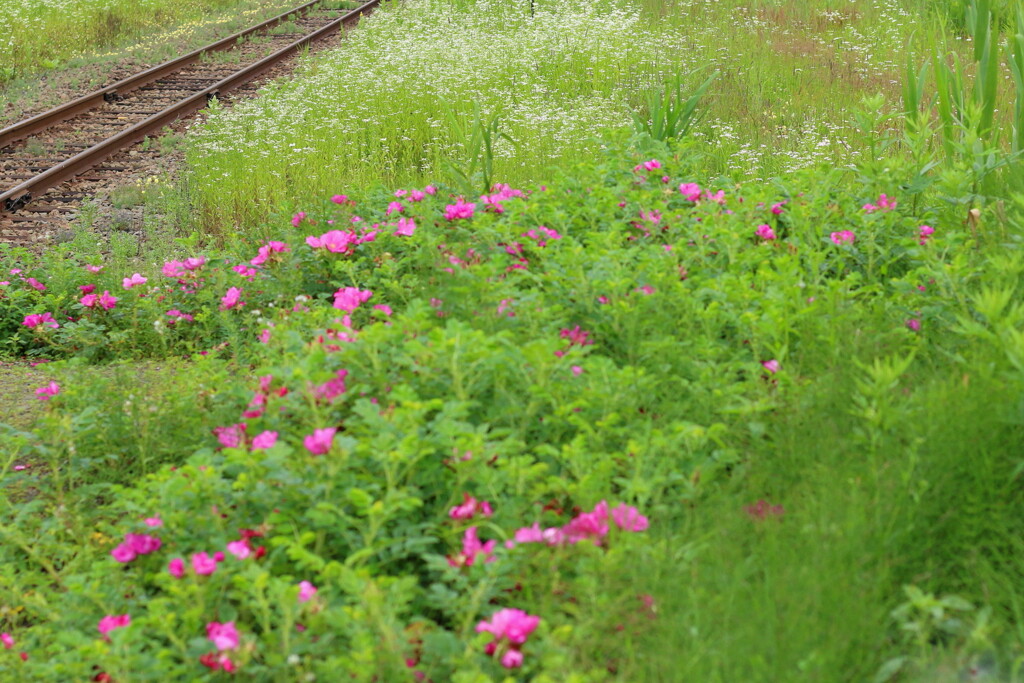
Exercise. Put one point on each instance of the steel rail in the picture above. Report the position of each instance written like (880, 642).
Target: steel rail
(29, 190)
(115, 91)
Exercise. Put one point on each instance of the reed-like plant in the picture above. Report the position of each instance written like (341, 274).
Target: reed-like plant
(669, 116)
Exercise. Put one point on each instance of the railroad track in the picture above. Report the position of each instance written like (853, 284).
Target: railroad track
(52, 162)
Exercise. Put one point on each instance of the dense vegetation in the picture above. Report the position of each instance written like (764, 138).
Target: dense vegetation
(637, 417)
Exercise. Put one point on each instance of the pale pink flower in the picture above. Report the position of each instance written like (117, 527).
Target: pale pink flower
(174, 269)
(48, 392)
(843, 237)
(628, 518)
(94, 269)
(203, 564)
(231, 299)
(576, 370)
(134, 280)
(320, 441)
(264, 336)
(771, 366)
(383, 308)
(264, 441)
(765, 232)
(306, 591)
(240, 549)
(112, 621)
(224, 636)
(194, 263)
(153, 521)
(349, 298)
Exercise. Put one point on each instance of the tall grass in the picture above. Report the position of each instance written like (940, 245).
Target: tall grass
(559, 73)
(43, 34)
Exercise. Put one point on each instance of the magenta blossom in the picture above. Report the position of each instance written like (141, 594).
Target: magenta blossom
(588, 525)
(112, 621)
(7, 640)
(107, 301)
(48, 392)
(771, 366)
(339, 199)
(691, 191)
(35, 284)
(470, 508)
(134, 280)
(297, 219)
(349, 298)
(472, 549)
(87, 289)
(153, 521)
(231, 436)
(264, 441)
(511, 628)
(231, 299)
(843, 237)
(39, 319)
(176, 568)
(762, 510)
(765, 232)
(460, 209)
(406, 227)
(135, 545)
(914, 325)
(306, 591)
(89, 300)
(320, 441)
(335, 241)
(203, 564)
(224, 636)
(268, 250)
(94, 269)
(923, 233)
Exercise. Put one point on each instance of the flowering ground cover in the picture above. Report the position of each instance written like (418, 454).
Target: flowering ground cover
(629, 425)
(630, 421)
